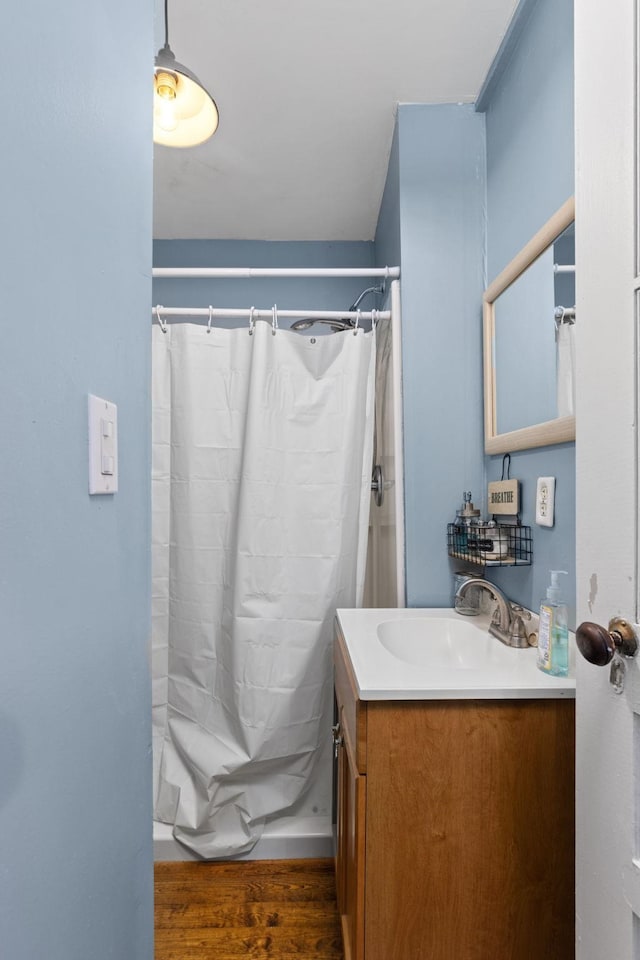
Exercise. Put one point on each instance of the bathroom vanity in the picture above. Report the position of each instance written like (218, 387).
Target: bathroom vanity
(455, 792)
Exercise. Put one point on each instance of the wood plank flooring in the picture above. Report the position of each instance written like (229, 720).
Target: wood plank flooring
(272, 909)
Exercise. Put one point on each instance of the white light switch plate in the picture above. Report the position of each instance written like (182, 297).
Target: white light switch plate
(103, 446)
(545, 501)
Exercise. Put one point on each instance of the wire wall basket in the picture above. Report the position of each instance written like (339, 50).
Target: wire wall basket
(490, 544)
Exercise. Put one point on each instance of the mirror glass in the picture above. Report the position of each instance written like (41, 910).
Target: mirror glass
(529, 328)
(533, 318)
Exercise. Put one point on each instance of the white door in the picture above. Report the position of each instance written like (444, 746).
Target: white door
(608, 725)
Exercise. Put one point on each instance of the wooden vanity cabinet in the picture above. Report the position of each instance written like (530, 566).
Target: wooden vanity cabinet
(455, 825)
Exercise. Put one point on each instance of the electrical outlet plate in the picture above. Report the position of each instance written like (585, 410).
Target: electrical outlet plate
(545, 501)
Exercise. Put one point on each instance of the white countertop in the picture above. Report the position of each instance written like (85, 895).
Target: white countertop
(498, 672)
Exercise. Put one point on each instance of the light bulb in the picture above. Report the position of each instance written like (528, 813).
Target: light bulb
(166, 85)
(166, 115)
(165, 109)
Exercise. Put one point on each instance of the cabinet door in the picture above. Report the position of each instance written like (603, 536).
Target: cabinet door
(350, 852)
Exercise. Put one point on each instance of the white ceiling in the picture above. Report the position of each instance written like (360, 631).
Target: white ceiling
(307, 92)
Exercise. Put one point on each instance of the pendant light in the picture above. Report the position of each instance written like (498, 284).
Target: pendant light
(184, 113)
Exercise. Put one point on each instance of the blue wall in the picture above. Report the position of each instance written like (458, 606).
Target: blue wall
(288, 294)
(455, 211)
(75, 783)
(436, 193)
(529, 117)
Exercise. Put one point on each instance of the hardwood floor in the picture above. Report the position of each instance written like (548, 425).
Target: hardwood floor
(275, 909)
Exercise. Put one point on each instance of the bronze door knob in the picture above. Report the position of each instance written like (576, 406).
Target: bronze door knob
(598, 645)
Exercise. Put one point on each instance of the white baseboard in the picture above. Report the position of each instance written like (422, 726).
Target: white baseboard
(287, 839)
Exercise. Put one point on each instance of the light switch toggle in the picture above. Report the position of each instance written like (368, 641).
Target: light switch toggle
(107, 445)
(103, 446)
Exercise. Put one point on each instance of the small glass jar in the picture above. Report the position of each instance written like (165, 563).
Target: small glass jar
(469, 604)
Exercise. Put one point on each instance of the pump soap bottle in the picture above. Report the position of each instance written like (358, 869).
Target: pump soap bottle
(553, 631)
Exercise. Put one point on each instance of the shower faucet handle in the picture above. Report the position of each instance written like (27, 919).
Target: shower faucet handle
(338, 739)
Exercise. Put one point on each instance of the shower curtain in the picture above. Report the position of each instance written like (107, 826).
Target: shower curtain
(566, 369)
(262, 449)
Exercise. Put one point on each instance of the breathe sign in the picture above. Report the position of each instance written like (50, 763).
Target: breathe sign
(503, 497)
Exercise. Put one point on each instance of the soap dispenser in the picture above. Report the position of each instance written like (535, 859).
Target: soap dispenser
(553, 631)
(465, 517)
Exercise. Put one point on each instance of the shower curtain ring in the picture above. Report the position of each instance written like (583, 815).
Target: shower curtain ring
(252, 322)
(357, 326)
(210, 318)
(163, 323)
(274, 322)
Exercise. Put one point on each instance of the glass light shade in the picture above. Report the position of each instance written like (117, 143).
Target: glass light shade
(184, 114)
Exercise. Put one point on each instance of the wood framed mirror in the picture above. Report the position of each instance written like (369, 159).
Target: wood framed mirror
(525, 402)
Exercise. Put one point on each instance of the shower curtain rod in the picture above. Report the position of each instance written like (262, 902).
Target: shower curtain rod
(222, 273)
(245, 313)
(564, 315)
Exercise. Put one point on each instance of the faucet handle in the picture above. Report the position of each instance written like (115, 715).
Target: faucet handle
(518, 634)
(520, 611)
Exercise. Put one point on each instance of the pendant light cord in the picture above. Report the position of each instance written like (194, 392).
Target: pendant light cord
(166, 23)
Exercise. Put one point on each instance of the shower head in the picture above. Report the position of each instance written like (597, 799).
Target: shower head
(302, 324)
(337, 326)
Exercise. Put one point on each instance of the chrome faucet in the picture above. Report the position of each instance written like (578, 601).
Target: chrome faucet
(507, 624)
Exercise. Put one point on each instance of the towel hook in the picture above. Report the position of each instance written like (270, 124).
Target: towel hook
(252, 321)
(210, 318)
(163, 323)
(274, 321)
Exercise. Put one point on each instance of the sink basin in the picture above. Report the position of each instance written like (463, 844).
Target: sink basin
(437, 643)
(434, 653)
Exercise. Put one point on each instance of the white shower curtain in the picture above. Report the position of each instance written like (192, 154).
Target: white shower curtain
(566, 369)
(262, 451)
